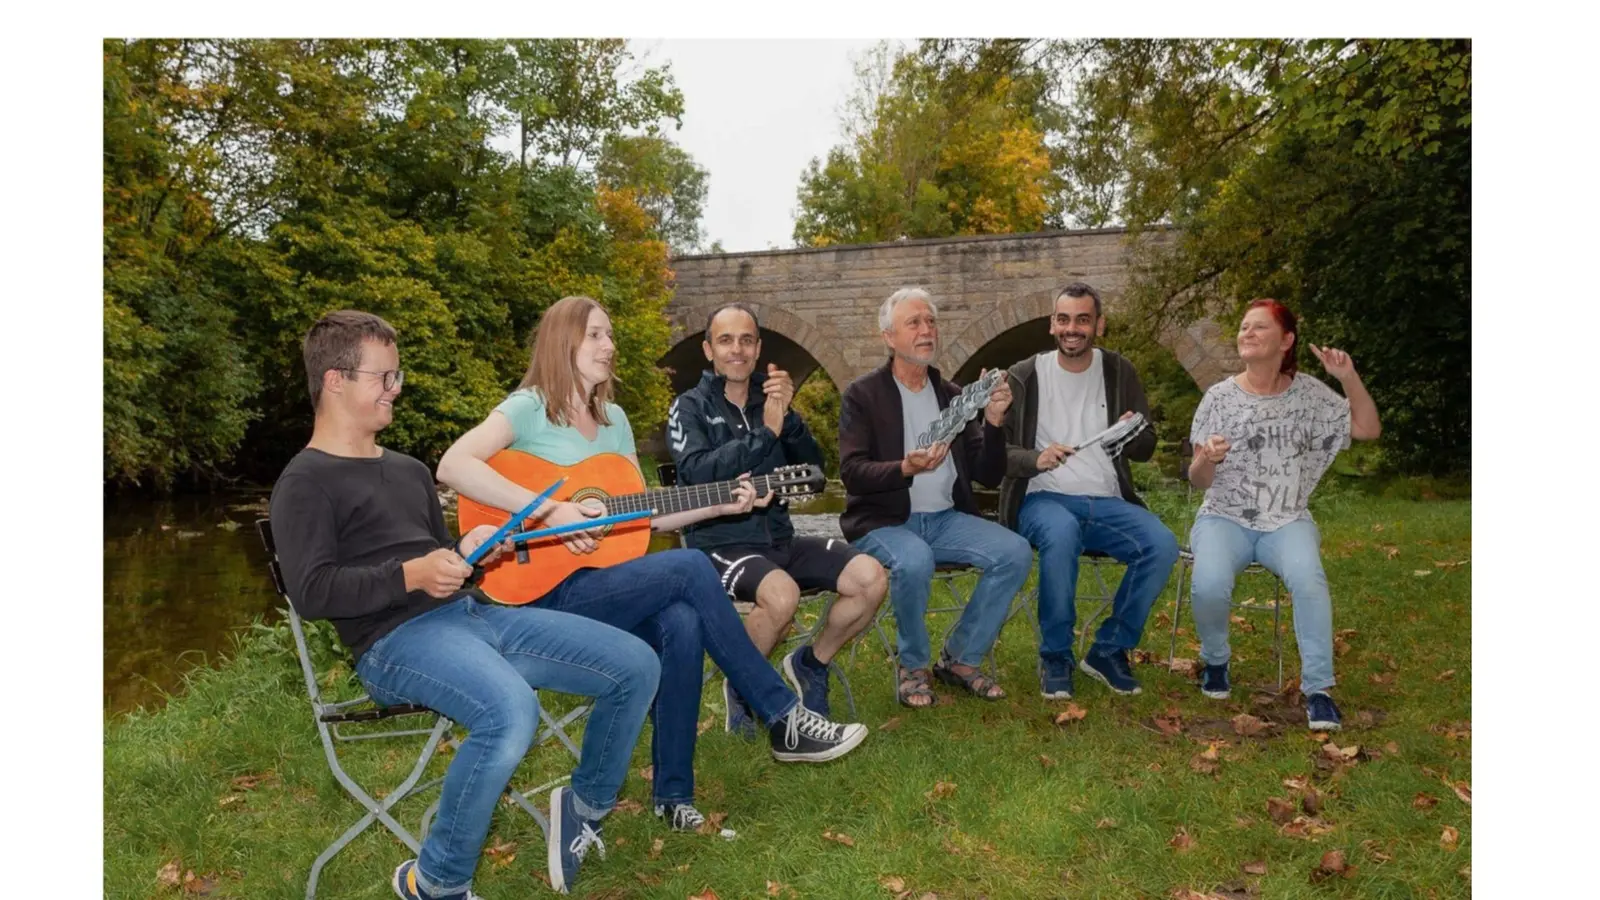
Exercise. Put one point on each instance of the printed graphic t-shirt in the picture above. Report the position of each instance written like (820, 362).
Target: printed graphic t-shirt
(1281, 446)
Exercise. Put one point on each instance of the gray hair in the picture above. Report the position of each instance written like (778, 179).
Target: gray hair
(886, 311)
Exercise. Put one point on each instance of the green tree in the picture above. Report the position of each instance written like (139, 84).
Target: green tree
(666, 182)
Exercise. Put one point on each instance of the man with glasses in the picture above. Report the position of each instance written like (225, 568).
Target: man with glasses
(363, 543)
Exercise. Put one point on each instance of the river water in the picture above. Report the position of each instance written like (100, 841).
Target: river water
(184, 575)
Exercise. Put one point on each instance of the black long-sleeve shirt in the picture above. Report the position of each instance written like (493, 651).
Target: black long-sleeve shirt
(343, 526)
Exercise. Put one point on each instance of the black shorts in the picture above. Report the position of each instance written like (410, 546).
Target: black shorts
(814, 564)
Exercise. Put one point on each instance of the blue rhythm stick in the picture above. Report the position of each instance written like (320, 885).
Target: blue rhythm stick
(585, 525)
(511, 524)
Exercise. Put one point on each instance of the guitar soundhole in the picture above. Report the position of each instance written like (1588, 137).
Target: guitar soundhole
(592, 493)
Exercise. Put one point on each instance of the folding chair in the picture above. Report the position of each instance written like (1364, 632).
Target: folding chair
(1102, 598)
(667, 475)
(1186, 561)
(333, 717)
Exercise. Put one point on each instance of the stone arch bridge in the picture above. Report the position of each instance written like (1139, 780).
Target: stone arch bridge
(819, 307)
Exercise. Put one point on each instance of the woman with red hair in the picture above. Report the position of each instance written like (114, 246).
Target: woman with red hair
(1262, 440)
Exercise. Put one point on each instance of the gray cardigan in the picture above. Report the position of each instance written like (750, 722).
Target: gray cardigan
(1123, 393)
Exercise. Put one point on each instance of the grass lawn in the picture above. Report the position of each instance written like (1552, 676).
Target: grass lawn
(1149, 796)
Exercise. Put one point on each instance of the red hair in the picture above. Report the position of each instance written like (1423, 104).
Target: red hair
(1287, 322)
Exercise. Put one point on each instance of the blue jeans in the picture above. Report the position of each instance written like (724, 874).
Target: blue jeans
(1222, 549)
(479, 664)
(675, 599)
(910, 552)
(1062, 526)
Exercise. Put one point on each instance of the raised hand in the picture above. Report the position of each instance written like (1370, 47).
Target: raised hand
(999, 401)
(779, 388)
(1337, 362)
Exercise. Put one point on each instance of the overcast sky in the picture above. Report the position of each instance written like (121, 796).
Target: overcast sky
(755, 112)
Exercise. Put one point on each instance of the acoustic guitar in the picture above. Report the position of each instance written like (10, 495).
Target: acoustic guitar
(611, 478)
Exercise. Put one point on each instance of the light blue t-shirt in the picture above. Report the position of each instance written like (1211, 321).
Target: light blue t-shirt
(533, 432)
(930, 491)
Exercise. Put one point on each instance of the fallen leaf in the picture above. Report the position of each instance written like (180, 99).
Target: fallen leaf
(1181, 841)
(1072, 713)
(648, 773)
(1243, 821)
(775, 889)
(1424, 801)
(1280, 810)
(202, 885)
(940, 790)
(1246, 725)
(1449, 837)
(705, 725)
(1465, 872)
(1450, 564)
(168, 876)
(1422, 573)
(1306, 827)
(1169, 723)
(1259, 867)
(1332, 864)
(629, 806)
(892, 883)
(1375, 850)
(1183, 666)
(1107, 822)
(230, 800)
(928, 895)
(712, 824)
(1392, 748)
(682, 868)
(1390, 551)
(1046, 761)
(1154, 767)
(1462, 789)
(1377, 526)
(891, 724)
(502, 852)
(1311, 801)
(1381, 677)
(841, 838)
(655, 848)
(708, 894)
(1446, 675)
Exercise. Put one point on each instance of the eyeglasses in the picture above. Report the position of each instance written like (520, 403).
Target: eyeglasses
(392, 378)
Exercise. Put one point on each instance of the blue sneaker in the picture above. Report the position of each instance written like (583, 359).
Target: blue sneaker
(739, 719)
(405, 885)
(1214, 682)
(1111, 669)
(570, 839)
(1055, 677)
(1321, 714)
(811, 684)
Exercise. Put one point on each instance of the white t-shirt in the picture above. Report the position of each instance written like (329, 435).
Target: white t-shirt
(1072, 409)
(930, 491)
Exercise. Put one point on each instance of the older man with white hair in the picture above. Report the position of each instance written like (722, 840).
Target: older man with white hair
(912, 507)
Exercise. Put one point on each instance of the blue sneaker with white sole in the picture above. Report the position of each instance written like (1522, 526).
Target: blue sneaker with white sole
(570, 839)
(1214, 682)
(1111, 669)
(1321, 713)
(1055, 677)
(405, 885)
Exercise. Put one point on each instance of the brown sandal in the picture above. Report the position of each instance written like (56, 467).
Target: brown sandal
(914, 685)
(980, 685)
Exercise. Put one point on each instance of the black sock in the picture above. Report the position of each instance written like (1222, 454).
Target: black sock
(808, 658)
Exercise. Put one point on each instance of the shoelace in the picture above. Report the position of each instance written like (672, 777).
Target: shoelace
(687, 818)
(587, 838)
(804, 721)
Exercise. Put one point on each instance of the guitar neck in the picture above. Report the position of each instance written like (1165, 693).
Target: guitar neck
(666, 501)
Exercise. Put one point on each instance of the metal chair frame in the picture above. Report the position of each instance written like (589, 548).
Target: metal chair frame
(332, 717)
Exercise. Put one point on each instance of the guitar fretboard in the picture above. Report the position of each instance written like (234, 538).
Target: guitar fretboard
(666, 501)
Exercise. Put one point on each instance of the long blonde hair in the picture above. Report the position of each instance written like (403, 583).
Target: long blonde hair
(553, 363)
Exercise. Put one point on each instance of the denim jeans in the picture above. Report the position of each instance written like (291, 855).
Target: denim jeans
(662, 593)
(674, 633)
(1062, 526)
(479, 664)
(1223, 548)
(910, 552)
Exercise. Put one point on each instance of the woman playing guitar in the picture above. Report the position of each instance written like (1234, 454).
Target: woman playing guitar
(562, 414)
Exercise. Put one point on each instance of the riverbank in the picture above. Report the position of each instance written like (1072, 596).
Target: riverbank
(1142, 796)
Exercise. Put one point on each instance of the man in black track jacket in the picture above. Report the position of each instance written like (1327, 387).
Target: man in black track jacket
(737, 420)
